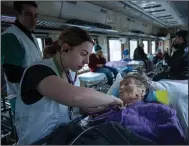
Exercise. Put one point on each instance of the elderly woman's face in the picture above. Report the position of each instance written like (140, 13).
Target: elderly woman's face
(132, 90)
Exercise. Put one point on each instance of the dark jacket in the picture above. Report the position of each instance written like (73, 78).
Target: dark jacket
(110, 133)
(139, 54)
(179, 62)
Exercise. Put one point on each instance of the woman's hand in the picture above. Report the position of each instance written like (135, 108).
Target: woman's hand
(101, 55)
(101, 109)
(118, 102)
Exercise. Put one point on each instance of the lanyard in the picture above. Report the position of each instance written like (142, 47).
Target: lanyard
(69, 78)
(57, 67)
(68, 75)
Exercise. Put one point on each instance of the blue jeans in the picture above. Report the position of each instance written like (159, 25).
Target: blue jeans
(108, 72)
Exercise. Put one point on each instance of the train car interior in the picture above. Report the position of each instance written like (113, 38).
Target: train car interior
(119, 28)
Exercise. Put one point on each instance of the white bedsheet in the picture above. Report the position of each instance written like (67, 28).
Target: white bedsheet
(91, 76)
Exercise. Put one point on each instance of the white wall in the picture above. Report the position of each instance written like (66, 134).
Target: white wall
(102, 40)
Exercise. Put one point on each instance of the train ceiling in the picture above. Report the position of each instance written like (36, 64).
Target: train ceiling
(162, 13)
(124, 17)
(172, 13)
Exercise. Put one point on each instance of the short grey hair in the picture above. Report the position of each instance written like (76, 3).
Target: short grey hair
(139, 77)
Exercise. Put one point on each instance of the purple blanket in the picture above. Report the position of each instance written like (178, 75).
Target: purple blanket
(156, 122)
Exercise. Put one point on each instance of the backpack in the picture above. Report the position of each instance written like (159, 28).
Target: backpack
(111, 133)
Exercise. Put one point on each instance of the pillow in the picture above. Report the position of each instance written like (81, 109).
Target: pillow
(114, 89)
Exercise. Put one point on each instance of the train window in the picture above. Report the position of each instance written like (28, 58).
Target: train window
(153, 47)
(115, 50)
(39, 40)
(145, 46)
(95, 41)
(133, 45)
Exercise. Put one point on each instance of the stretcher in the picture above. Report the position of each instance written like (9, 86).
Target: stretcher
(91, 77)
(134, 62)
(97, 81)
(122, 69)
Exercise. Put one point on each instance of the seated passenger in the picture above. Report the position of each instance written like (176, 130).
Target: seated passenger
(178, 62)
(97, 64)
(48, 42)
(139, 53)
(159, 56)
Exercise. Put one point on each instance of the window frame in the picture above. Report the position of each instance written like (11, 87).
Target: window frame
(132, 39)
(42, 44)
(154, 47)
(147, 45)
(108, 45)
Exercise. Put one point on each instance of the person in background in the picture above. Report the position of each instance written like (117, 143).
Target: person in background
(50, 86)
(158, 57)
(178, 62)
(150, 56)
(173, 47)
(159, 54)
(48, 42)
(140, 55)
(19, 47)
(97, 64)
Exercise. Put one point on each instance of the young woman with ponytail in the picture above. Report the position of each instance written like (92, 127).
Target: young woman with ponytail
(50, 86)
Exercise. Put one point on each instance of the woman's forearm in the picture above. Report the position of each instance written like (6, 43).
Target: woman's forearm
(67, 94)
(89, 98)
